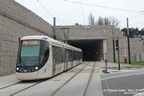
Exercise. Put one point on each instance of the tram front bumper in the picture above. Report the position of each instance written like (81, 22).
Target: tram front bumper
(26, 76)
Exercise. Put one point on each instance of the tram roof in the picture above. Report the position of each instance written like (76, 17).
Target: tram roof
(53, 41)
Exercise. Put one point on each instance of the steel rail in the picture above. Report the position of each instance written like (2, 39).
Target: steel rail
(89, 81)
(27, 87)
(54, 92)
(9, 85)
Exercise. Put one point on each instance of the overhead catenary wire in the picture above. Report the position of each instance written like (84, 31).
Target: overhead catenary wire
(82, 11)
(124, 10)
(64, 20)
(137, 23)
(111, 8)
(136, 16)
(51, 14)
(45, 8)
(132, 17)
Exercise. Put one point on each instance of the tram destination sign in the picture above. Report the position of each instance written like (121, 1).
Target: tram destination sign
(30, 42)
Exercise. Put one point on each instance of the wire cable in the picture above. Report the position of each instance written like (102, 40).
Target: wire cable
(136, 23)
(132, 17)
(64, 20)
(49, 12)
(82, 11)
(45, 8)
(124, 10)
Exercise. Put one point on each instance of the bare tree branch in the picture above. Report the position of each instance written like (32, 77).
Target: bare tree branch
(103, 21)
(91, 19)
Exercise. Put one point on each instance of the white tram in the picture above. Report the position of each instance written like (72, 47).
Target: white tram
(42, 57)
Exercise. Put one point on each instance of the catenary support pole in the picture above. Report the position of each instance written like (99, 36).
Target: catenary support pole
(128, 41)
(54, 27)
(118, 56)
(113, 44)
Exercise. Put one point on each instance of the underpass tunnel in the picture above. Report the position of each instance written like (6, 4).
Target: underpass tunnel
(92, 49)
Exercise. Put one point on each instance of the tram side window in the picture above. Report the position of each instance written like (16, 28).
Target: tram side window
(57, 54)
(75, 55)
(67, 53)
(70, 55)
(44, 54)
(80, 55)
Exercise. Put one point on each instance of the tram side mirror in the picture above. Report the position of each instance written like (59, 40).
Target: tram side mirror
(19, 39)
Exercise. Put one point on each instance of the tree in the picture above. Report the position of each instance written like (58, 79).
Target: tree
(91, 19)
(103, 21)
(108, 21)
(114, 21)
(76, 24)
(133, 32)
(124, 30)
(100, 21)
(141, 32)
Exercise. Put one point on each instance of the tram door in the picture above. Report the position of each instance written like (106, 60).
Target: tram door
(77, 57)
(54, 61)
(70, 57)
(54, 68)
(66, 52)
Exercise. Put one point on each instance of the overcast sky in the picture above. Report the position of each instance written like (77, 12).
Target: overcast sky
(69, 13)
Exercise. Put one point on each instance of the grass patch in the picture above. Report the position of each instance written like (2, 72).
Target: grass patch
(135, 63)
(138, 63)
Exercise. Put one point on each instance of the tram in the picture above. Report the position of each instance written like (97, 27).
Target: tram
(42, 57)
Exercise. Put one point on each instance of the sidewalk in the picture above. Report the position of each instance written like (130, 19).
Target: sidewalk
(113, 67)
(95, 88)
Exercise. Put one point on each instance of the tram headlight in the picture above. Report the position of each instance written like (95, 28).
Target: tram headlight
(17, 68)
(36, 68)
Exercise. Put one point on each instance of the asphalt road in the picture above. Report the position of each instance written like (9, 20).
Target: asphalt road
(123, 83)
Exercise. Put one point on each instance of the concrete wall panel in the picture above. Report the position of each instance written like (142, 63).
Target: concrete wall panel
(15, 22)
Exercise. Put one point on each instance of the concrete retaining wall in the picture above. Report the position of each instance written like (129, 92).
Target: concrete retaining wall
(15, 22)
(100, 32)
(142, 56)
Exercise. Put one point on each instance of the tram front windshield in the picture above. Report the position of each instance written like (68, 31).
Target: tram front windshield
(29, 53)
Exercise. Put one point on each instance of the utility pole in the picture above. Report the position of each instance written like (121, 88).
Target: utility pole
(113, 44)
(128, 41)
(117, 45)
(125, 43)
(65, 36)
(54, 27)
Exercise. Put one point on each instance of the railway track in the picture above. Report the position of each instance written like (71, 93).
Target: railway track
(89, 81)
(64, 84)
(25, 86)
(29, 84)
(9, 85)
